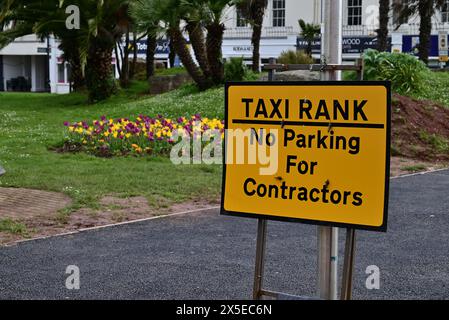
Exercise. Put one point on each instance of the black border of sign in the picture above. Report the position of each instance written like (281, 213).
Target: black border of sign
(386, 84)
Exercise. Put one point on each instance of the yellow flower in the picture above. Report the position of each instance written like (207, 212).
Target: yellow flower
(128, 135)
(106, 133)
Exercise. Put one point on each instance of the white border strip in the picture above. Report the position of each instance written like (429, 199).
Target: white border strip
(418, 173)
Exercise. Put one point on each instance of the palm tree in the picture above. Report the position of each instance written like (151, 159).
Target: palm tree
(210, 14)
(382, 32)
(193, 16)
(105, 21)
(197, 16)
(149, 25)
(43, 19)
(309, 32)
(102, 23)
(253, 11)
(425, 9)
(170, 13)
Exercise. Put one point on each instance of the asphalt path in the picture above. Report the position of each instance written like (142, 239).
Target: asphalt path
(207, 256)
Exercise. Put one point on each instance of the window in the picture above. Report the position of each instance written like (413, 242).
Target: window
(61, 77)
(354, 12)
(445, 12)
(278, 13)
(241, 22)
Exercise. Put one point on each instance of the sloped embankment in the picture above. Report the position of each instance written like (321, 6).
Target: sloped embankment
(420, 129)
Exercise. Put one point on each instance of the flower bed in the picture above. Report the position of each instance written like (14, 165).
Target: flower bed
(144, 136)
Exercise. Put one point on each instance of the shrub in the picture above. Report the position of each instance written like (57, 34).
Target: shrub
(235, 70)
(406, 73)
(294, 57)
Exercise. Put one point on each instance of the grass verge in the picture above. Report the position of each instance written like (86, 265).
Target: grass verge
(30, 123)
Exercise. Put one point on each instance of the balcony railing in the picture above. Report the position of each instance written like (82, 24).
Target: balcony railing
(267, 32)
(408, 29)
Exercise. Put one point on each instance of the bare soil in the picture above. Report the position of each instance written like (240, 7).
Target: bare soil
(46, 220)
(420, 129)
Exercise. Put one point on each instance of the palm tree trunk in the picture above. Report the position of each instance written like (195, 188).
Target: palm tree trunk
(257, 14)
(118, 58)
(99, 77)
(180, 47)
(214, 41)
(70, 46)
(171, 53)
(124, 79)
(151, 48)
(197, 40)
(255, 40)
(309, 48)
(382, 32)
(77, 76)
(132, 70)
(425, 8)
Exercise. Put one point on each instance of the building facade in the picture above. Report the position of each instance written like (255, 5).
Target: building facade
(281, 30)
(32, 64)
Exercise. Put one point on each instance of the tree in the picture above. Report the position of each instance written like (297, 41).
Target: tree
(147, 24)
(197, 16)
(382, 32)
(101, 24)
(425, 9)
(209, 54)
(170, 13)
(171, 52)
(151, 48)
(309, 32)
(253, 11)
(106, 22)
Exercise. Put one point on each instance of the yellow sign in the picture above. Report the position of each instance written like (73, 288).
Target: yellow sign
(317, 152)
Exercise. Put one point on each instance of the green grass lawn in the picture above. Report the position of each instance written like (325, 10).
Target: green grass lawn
(30, 123)
(436, 88)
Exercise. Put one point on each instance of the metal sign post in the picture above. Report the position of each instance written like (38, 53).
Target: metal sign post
(348, 267)
(331, 39)
(260, 258)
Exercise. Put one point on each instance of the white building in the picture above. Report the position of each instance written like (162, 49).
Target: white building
(32, 64)
(281, 29)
